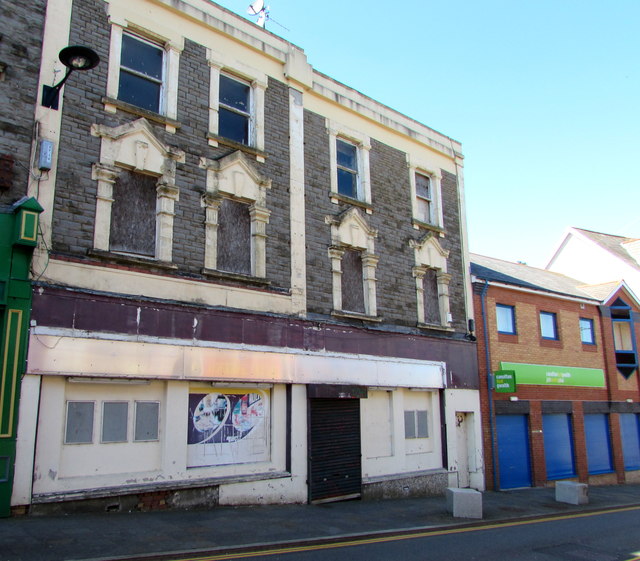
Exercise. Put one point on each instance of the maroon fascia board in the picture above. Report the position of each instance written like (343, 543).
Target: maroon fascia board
(72, 309)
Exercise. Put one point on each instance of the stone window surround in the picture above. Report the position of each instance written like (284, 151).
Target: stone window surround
(429, 254)
(134, 147)
(363, 145)
(220, 63)
(435, 177)
(351, 231)
(234, 177)
(169, 92)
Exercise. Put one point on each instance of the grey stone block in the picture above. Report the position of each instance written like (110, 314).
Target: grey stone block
(572, 492)
(464, 503)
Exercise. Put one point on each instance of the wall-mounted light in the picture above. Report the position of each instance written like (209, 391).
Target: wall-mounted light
(74, 57)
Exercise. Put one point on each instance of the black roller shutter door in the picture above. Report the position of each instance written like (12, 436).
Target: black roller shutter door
(335, 470)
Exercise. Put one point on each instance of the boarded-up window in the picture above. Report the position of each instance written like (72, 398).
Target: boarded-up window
(431, 303)
(147, 417)
(234, 237)
(133, 214)
(115, 416)
(79, 427)
(352, 282)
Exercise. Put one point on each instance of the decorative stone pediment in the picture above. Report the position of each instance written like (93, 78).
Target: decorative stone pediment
(429, 252)
(134, 146)
(234, 175)
(351, 229)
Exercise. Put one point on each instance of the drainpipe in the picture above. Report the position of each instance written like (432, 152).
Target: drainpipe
(487, 357)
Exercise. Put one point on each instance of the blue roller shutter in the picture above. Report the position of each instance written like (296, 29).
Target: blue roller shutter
(630, 431)
(558, 446)
(513, 451)
(596, 432)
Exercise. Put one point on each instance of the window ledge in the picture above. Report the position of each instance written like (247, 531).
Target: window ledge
(123, 259)
(507, 337)
(590, 347)
(236, 277)
(552, 343)
(149, 115)
(435, 326)
(259, 154)
(419, 225)
(338, 198)
(355, 315)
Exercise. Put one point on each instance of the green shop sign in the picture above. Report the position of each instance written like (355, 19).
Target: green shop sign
(546, 375)
(504, 381)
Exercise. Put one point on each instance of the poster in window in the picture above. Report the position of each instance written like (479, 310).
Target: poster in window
(227, 427)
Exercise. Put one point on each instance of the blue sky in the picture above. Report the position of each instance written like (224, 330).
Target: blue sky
(544, 97)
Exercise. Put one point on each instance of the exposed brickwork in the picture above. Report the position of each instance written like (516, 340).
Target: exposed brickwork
(528, 347)
(21, 25)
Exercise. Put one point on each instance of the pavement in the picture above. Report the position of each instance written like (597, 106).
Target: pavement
(152, 536)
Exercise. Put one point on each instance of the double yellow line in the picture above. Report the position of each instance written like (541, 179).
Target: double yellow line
(410, 535)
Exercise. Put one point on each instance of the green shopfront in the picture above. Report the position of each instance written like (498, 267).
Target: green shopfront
(18, 236)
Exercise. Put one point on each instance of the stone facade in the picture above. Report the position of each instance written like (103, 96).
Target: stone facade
(265, 343)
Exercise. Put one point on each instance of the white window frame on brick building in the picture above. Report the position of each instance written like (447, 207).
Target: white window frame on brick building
(168, 83)
(362, 145)
(351, 232)
(435, 219)
(234, 178)
(133, 147)
(429, 256)
(223, 66)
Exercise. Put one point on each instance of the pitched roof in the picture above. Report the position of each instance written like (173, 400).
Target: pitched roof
(524, 276)
(612, 244)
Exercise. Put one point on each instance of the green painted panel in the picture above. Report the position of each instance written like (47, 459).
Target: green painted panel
(505, 381)
(549, 375)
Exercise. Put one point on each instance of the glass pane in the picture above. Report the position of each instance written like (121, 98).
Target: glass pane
(586, 331)
(347, 155)
(141, 57)
(234, 94)
(622, 336)
(424, 211)
(423, 424)
(139, 91)
(505, 319)
(147, 416)
(548, 325)
(114, 421)
(347, 183)
(233, 126)
(409, 424)
(423, 186)
(79, 429)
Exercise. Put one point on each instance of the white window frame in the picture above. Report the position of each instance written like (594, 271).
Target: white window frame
(137, 402)
(169, 90)
(102, 440)
(435, 178)
(225, 64)
(363, 147)
(66, 421)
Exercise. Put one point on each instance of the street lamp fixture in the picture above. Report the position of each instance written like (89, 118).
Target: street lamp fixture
(74, 57)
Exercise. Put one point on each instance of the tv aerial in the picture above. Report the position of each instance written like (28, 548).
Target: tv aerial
(258, 8)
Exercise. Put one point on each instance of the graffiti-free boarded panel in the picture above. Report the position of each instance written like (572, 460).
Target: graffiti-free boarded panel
(334, 449)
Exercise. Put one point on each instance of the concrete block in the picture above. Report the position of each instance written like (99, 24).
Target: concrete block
(572, 492)
(464, 503)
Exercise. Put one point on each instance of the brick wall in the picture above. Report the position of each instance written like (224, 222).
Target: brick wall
(528, 347)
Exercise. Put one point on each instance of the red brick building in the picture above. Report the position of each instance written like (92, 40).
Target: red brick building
(561, 360)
